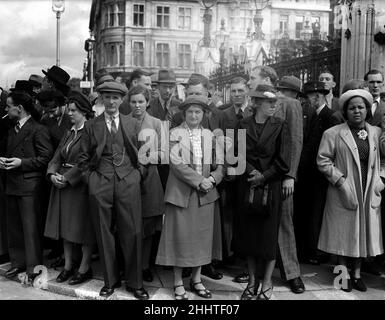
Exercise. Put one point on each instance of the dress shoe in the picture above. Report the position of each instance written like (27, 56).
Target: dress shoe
(242, 278)
(105, 292)
(147, 275)
(204, 293)
(296, 285)
(79, 278)
(186, 272)
(64, 275)
(358, 284)
(209, 271)
(13, 272)
(140, 294)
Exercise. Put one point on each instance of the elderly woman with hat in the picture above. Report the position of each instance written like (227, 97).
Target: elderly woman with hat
(68, 212)
(191, 232)
(260, 190)
(349, 157)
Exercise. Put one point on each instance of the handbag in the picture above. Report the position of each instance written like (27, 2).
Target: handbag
(256, 200)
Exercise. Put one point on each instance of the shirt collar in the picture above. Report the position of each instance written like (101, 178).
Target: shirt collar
(243, 107)
(74, 128)
(320, 108)
(108, 117)
(23, 121)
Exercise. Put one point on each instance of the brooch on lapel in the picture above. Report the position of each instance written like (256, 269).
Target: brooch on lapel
(362, 134)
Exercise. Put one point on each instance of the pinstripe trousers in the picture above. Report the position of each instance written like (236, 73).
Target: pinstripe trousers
(287, 254)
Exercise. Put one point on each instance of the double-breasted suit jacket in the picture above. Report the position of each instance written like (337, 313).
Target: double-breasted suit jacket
(68, 214)
(352, 219)
(115, 195)
(376, 119)
(24, 219)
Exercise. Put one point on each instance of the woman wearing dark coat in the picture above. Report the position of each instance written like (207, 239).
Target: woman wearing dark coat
(260, 190)
(68, 212)
(150, 154)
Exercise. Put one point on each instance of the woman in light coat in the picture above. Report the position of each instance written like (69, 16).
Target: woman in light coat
(349, 157)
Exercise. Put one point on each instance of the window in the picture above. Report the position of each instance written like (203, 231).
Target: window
(138, 54)
(298, 26)
(184, 56)
(184, 18)
(114, 54)
(114, 15)
(121, 55)
(162, 55)
(163, 17)
(138, 15)
(283, 23)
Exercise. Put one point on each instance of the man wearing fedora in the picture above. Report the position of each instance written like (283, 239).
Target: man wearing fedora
(290, 110)
(313, 195)
(36, 82)
(56, 78)
(109, 161)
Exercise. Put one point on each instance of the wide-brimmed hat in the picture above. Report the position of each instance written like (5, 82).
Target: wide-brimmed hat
(112, 86)
(51, 95)
(81, 101)
(23, 86)
(35, 80)
(194, 100)
(264, 91)
(365, 95)
(315, 86)
(166, 76)
(290, 83)
(58, 75)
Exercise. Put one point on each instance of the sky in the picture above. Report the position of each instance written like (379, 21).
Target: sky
(28, 38)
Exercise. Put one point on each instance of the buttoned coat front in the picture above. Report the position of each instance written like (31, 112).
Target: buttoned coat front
(352, 217)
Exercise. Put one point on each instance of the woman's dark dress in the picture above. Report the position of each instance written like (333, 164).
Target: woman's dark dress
(363, 152)
(268, 151)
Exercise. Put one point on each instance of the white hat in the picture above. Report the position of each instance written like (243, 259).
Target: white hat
(356, 93)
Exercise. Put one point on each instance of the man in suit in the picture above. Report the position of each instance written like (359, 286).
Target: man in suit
(238, 110)
(328, 79)
(56, 79)
(138, 77)
(109, 160)
(290, 110)
(309, 219)
(28, 152)
(375, 81)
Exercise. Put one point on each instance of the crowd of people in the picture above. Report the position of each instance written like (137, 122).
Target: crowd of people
(135, 174)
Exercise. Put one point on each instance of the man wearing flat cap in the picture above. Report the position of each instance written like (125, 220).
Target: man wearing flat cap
(109, 161)
(56, 78)
(311, 198)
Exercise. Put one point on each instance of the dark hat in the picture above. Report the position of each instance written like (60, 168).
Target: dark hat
(35, 80)
(290, 83)
(23, 86)
(315, 86)
(264, 91)
(112, 86)
(166, 76)
(195, 100)
(81, 101)
(57, 74)
(105, 78)
(50, 95)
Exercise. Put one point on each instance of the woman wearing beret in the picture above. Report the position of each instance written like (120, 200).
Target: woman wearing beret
(191, 234)
(349, 157)
(259, 191)
(68, 213)
(150, 154)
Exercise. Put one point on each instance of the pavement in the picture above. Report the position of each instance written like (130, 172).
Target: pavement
(319, 282)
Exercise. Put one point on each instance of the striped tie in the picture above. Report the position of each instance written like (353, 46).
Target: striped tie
(114, 129)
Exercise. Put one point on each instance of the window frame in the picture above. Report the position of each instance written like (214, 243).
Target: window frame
(184, 16)
(162, 55)
(182, 56)
(162, 16)
(135, 52)
(139, 13)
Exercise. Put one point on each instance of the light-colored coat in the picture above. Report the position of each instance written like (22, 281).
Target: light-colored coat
(183, 179)
(352, 217)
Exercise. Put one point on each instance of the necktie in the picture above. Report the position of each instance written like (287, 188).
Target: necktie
(240, 114)
(114, 129)
(374, 108)
(17, 127)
